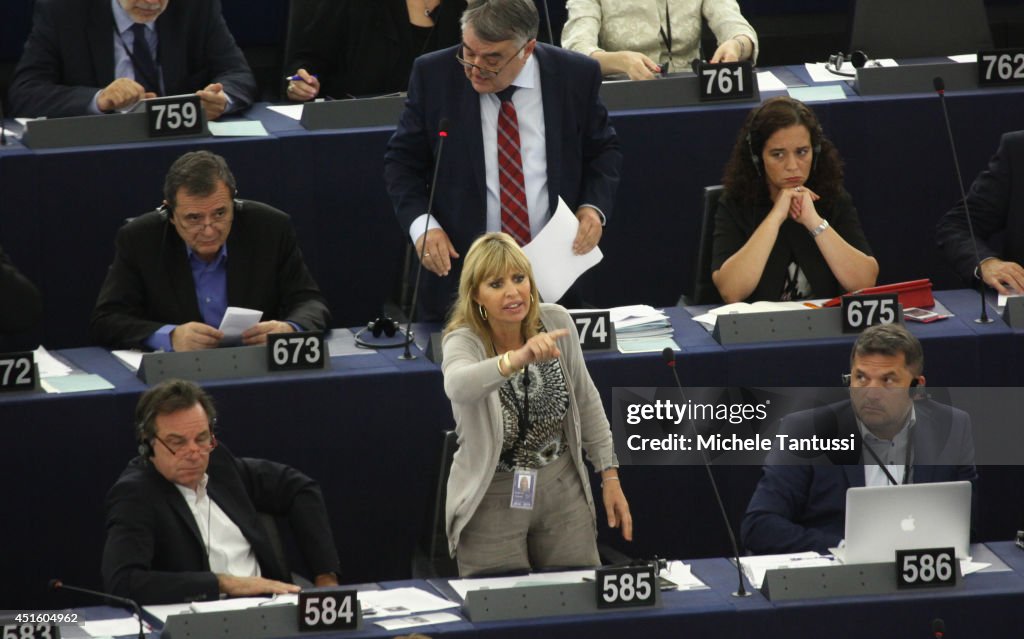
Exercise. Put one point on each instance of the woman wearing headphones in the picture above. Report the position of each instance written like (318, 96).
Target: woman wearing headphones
(785, 228)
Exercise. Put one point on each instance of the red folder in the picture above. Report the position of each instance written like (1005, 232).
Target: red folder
(913, 293)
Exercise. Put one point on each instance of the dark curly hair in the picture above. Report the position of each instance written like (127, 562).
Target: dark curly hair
(744, 181)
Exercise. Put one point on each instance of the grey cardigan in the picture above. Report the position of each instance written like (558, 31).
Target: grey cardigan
(472, 380)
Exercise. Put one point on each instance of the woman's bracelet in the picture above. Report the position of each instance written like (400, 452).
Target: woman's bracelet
(505, 364)
(615, 478)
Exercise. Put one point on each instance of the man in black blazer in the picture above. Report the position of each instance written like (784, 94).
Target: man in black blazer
(183, 520)
(996, 202)
(83, 57)
(178, 268)
(568, 146)
(800, 502)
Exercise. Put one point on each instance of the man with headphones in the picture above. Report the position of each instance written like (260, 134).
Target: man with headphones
(900, 436)
(177, 269)
(183, 520)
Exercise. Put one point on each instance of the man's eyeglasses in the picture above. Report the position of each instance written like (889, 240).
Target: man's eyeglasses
(197, 222)
(203, 444)
(484, 71)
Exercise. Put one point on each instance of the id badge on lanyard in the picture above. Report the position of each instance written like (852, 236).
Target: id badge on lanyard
(524, 488)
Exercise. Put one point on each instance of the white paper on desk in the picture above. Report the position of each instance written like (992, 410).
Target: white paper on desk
(162, 612)
(402, 601)
(131, 359)
(555, 266)
(243, 603)
(293, 111)
(736, 308)
(238, 129)
(768, 81)
(419, 620)
(114, 627)
(1001, 300)
(964, 57)
(237, 320)
(680, 574)
(652, 344)
(463, 586)
(755, 567)
(49, 366)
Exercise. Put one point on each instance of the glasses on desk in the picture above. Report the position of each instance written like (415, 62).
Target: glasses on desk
(197, 222)
(485, 72)
(179, 446)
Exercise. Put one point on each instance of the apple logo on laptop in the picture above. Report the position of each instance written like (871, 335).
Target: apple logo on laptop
(907, 524)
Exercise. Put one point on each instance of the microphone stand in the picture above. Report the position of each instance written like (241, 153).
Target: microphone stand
(443, 134)
(940, 88)
(741, 591)
(57, 584)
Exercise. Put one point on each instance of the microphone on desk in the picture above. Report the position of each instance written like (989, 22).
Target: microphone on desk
(670, 359)
(3, 131)
(940, 88)
(57, 584)
(547, 18)
(442, 134)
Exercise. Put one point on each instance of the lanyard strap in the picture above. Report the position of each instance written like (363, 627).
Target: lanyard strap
(878, 460)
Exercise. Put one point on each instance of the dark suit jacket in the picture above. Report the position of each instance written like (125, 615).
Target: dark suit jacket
(996, 200)
(796, 508)
(155, 554)
(150, 284)
(20, 303)
(366, 47)
(69, 56)
(583, 154)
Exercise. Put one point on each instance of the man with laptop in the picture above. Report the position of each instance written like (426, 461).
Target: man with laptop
(902, 438)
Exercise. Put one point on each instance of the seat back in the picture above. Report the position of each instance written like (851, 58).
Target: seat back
(919, 28)
(431, 558)
(704, 291)
(300, 16)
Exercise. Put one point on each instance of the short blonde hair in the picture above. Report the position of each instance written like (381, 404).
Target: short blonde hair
(492, 255)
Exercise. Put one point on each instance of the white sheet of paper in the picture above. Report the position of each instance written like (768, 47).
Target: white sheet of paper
(239, 129)
(418, 620)
(162, 612)
(679, 573)
(463, 586)
(555, 267)
(964, 57)
(50, 366)
(768, 81)
(114, 627)
(131, 359)
(293, 111)
(237, 320)
(756, 567)
(402, 601)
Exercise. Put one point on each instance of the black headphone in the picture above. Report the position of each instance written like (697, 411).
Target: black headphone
(382, 325)
(835, 62)
(166, 211)
(753, 139)
(916, 391)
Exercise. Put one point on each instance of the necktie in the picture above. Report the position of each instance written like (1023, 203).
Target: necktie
(146, 72)
(515, 217)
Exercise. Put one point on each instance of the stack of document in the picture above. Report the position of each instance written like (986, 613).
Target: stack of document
(708, 320)
(642, 329)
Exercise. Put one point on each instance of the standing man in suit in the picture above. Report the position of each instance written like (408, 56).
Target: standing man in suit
(525, 126)
(100, 56)
(177, 269)
(183, 520)
(800, 505)
(996, 202)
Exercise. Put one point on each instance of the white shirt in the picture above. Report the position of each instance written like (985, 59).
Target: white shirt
(892, 453)
(227, 548)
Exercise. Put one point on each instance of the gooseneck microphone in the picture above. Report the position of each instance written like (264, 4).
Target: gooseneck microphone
(57, 584)
(940, 88)
(547, 18)
(670, 359)
(3, 131)
(442, 134)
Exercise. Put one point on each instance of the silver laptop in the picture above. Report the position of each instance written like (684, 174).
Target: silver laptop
(883, 519)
